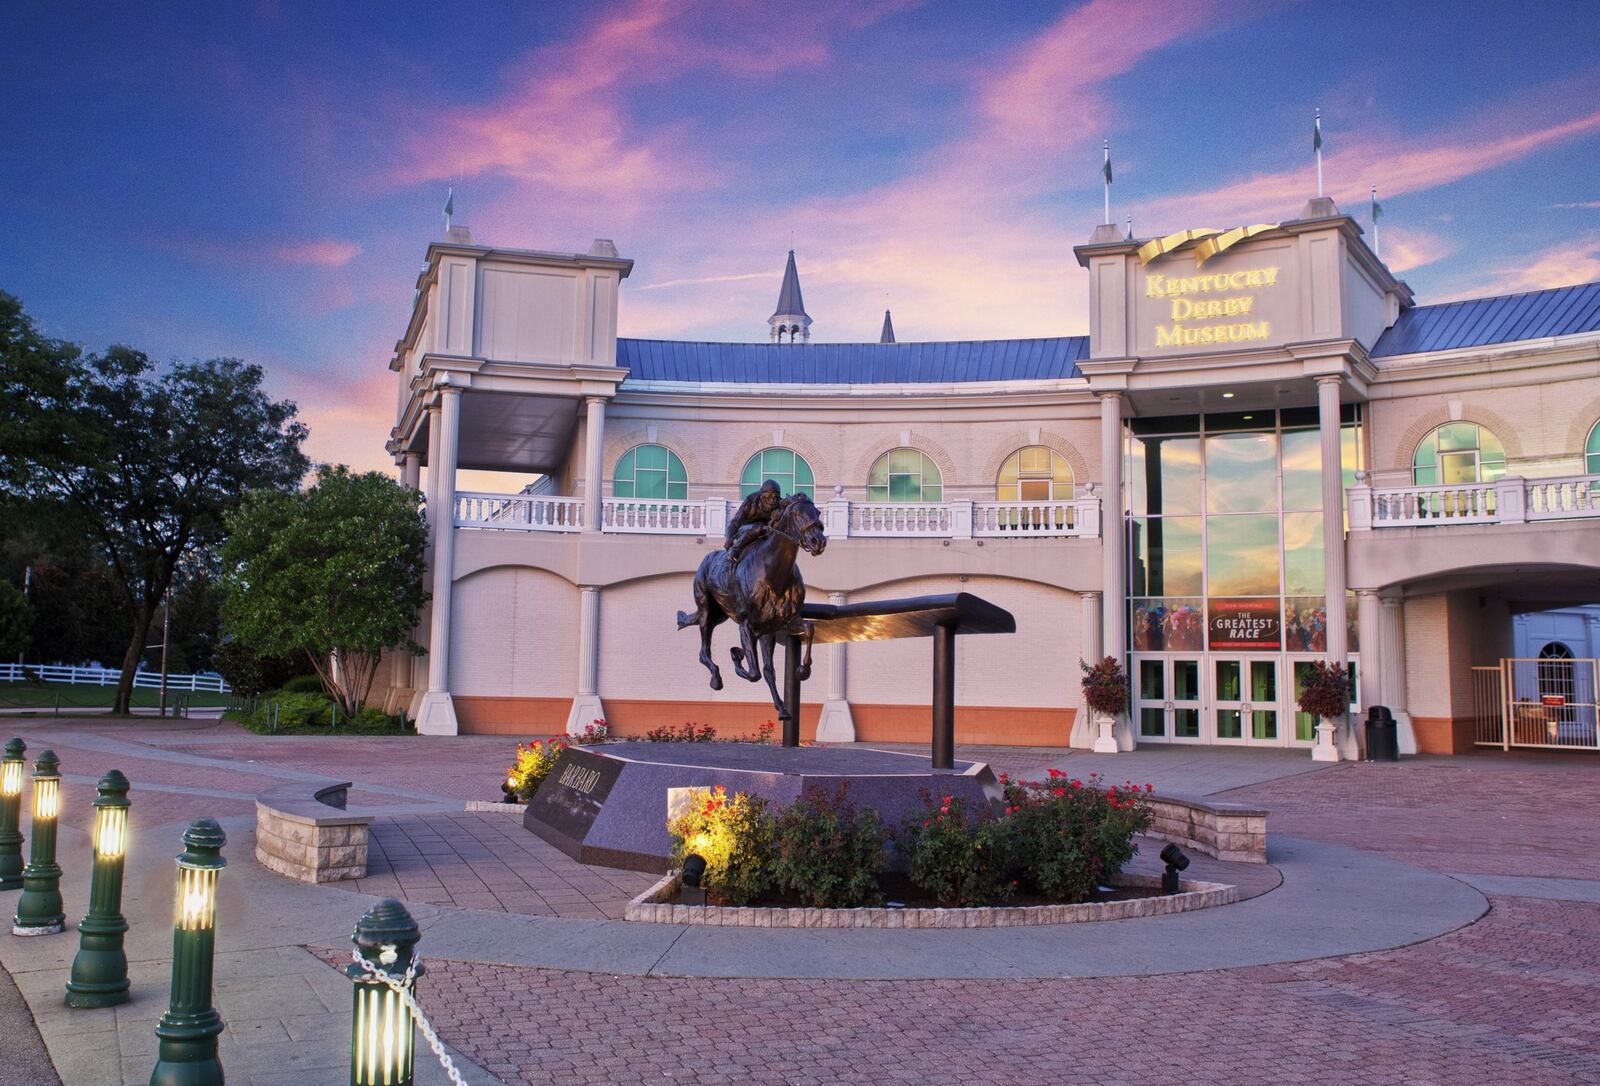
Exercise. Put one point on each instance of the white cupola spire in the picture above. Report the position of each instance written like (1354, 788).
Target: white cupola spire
(790, 317)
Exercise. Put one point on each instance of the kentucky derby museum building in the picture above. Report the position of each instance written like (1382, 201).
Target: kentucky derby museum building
(1264, 453)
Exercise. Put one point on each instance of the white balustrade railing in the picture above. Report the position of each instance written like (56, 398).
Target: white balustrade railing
(99, 676)
(961, 519)
(651, 516)
(1509, 500)
(519, 512)
(909, 520)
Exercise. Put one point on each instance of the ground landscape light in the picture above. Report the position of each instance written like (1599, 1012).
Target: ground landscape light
(382, 1040)
(694, 873)
(1176, 861)
(100, 970)
(11, 816)
(39, 910)
(188, 1030)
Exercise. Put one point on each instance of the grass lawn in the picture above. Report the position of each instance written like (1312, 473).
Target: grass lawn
(44, 696)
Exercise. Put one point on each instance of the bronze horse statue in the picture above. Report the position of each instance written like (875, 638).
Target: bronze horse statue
(763, 593)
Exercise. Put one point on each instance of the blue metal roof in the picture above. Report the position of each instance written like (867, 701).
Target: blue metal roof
(853, 363)
(1477, 322)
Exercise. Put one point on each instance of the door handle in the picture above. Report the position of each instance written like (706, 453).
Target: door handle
(1245, 707)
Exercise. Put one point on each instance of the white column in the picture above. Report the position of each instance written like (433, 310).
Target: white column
(410, 470)
(1113, 617)
(1374, 666)
(1083, 728)
(837, 724)
(437, 713)
(594, 447)
(586, 706)
(1393, 646)
(1344, 740)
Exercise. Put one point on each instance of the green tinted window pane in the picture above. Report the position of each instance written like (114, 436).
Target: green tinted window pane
(1241, 473)
(932, 493)
(1229, 680)
(675, 470)
(1302, 554)
(1458, 435)
(930, 473)
(905, 460)
(1263, 680)
(751, 478)
(622, 488)
(878, 475)
(625, 465)
(1186, 723)
(1264, 724)
(877, 493)
(1426, 476)
(677, 491)
(803, 479)
(1186, 680)
(1166, 555)
(1152, 722)
(1228, 724)
(778, 462)
(1428, 452)
(1242, 556)
(650, 484)
(1302, 470)
(1164, 475)
(905, 488)
(1151, 683)
(1591, 451)
(653, 457)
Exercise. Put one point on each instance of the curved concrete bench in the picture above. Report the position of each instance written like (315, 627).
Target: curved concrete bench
(1227, 831)
(311, 838)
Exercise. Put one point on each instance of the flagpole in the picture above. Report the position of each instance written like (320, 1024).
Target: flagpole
(1106, 176)
(1318, 148)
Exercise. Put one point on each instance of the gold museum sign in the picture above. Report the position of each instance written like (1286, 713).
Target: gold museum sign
(1213, 308)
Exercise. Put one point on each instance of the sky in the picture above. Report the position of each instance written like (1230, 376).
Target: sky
(261, 179)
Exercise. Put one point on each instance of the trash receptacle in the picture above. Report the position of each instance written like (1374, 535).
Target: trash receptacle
(1383, 738)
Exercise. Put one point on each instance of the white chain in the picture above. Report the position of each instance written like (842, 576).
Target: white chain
(402, 987)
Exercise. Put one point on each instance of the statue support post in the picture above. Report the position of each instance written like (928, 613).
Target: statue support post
(793, 645)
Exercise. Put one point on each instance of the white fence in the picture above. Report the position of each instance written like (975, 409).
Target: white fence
(1069, 518)
(1511, 500)
(99, 676)
(1542, 703)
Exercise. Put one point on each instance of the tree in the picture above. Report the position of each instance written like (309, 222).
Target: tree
(151, 459)
(334, 572)
(15, 618)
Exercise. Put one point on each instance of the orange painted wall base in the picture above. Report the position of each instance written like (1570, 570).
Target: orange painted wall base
(978, 724)
(1443, 735)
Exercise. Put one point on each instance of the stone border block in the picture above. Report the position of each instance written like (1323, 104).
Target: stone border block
(655, 907)
(312, 839)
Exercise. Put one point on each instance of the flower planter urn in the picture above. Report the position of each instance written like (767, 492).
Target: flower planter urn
(1324, 750)
(1105, 741)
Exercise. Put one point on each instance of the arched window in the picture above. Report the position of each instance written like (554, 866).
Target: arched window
(650, 471)
(1458, 453)
(1591, 451)
(785, 467)
(904, 475)
(1034, 474)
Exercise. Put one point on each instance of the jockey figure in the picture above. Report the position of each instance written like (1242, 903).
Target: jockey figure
(751, 521)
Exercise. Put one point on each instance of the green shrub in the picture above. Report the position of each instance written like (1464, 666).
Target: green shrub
(372, 720)
(1067, 837)
(532, 765)
(827, 854)
(250, 675)
(303, 684)
(733, 836)
(957, 860)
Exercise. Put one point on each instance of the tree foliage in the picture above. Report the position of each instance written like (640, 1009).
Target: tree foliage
(334, 571)
(150, 458)
(15, 619)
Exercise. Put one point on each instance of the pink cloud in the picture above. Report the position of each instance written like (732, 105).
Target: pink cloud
(349, 420)
(306, 252)
(1406, 247)
(1398, 163)
(1562, 265)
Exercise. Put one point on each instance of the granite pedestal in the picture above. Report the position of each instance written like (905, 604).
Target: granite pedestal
(608, 804)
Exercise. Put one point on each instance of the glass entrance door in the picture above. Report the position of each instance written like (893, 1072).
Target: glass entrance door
(1166, 698)
(1244, 700)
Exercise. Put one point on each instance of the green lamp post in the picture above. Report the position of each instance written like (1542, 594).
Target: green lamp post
(383, 1029)
(188, 1030)
(11, 816)
(39, 910)
(100, 971)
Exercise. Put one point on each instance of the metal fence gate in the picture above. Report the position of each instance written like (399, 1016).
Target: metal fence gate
(1547, 703)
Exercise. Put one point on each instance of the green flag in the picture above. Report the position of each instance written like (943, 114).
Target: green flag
(1107, 170)
(1377, 209)
(450, 203)
(1316, 135)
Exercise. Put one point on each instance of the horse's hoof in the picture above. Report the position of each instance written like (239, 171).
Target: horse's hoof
(716, 682)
